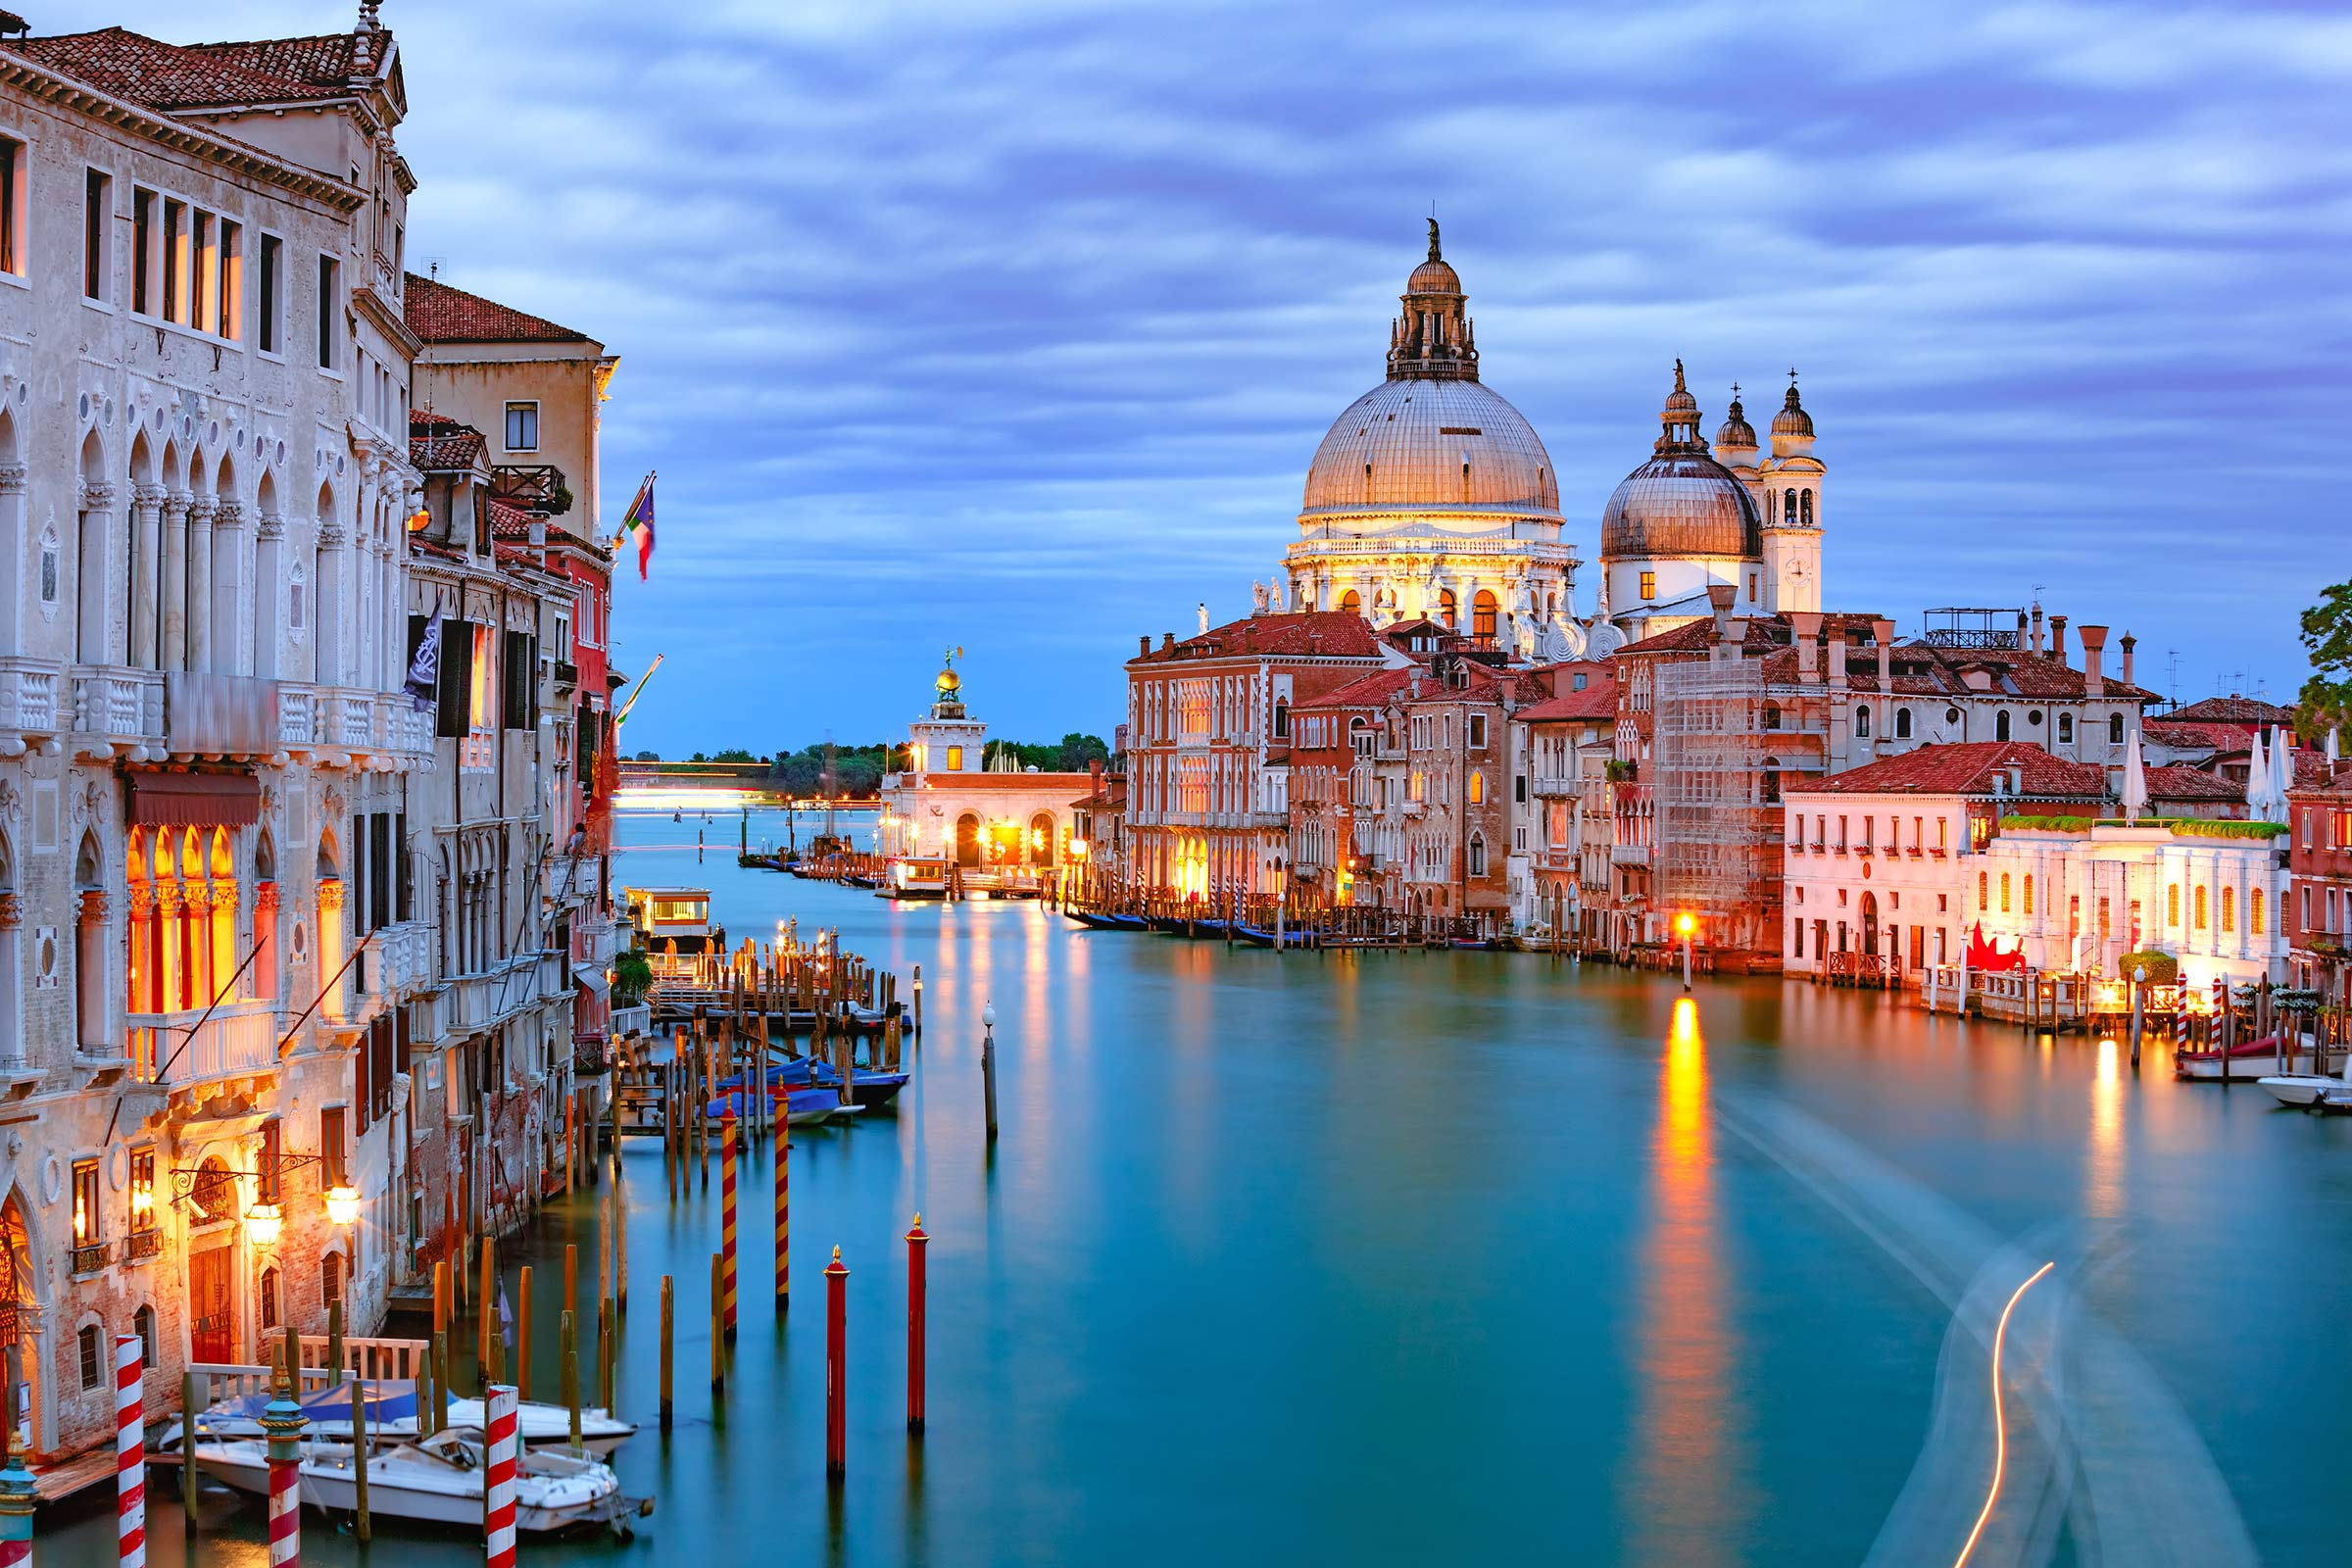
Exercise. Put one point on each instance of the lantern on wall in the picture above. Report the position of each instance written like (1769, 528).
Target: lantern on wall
(263, 1222)
(343, 1205)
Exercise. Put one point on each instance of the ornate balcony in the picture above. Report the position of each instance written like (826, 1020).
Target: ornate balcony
(117, 710)
(187, 1046)
(28, 702)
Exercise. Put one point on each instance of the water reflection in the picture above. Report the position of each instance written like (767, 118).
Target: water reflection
(1691, 1490)
(2103, 1149)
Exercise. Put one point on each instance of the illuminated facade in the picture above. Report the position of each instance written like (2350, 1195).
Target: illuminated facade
(946, 803)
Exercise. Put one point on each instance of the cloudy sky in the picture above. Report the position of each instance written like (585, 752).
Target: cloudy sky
(1014, 325)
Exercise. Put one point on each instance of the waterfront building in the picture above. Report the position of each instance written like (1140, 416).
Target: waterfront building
(2318, 917)
(1431, 496)
(1334, 829)
(1564, 745)
(204, 755)
(1208, 725)
(947, 803)
(541, 387)
(1718, 717)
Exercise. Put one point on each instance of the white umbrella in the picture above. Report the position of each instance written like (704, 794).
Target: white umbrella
(2135, 779)
(2331, 758)
(2282, 774)
(2258, 779)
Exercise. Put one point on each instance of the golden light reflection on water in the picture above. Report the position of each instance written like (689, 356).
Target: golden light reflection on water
(2103, 1151)
(1690, 1479)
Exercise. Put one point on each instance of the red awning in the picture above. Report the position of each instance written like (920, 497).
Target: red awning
(195, 799)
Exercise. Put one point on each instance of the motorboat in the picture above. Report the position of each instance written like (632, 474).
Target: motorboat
(437, 1480)
(1259, 936)
(392, 1415)
(2245, 1062)
(873, 1088)
(2303, 1090)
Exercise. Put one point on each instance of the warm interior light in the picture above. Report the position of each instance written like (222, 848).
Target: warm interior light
(343, 1205)
(263, 1223)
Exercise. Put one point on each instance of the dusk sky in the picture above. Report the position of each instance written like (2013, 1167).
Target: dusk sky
(1015, 326)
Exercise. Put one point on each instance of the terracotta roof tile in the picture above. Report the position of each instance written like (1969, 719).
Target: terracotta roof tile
(2247, 712)
(1598, 701)
(1966, 768)
(1297, 634)
(2179, 782)
(440, 313)
(146, 71)
(1369, 692)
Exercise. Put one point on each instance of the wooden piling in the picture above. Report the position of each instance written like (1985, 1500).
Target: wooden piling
(192, 1400)
(486, 1342)
(359, 1458)
(440, 1354)
(606, 1350)
(718, 1336)
(335, 1342)
(522, 1334)
(666, 1350)
(567, 1347)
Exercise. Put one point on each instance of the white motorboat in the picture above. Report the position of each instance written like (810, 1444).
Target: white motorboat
(2304, 1089)
(438, 1481)
(392, 1414)
(2253, 1059)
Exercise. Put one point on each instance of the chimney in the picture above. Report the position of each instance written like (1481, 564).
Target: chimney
(2020, 630)
(1094, 775)
(1882, 633)
(2038, 627)
(1143, 645)
(1720, 596)
(1804, 630)
(2094, 646)
(2130, 642)
(1167, 642)
(2058, 638)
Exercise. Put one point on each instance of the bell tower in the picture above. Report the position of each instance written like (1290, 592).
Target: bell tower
(1787, 485)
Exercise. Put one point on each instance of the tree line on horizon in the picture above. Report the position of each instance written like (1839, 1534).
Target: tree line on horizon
(858, 769)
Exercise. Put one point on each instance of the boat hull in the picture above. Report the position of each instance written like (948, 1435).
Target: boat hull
(2246, 1063)
(2303, 1089)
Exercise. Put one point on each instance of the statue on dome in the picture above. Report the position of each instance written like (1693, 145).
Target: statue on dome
(1433, 239)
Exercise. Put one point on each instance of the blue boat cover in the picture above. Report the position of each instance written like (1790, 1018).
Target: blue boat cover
(391, 1400)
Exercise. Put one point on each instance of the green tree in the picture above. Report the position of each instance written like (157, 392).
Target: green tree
(735, 754)
(2327, 697)
(649, 757)
(1077, 751)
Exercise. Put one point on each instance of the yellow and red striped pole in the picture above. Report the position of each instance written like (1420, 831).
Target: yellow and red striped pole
(130, 1453)
(498, 1498)
(726, 1223)
(783, 1207)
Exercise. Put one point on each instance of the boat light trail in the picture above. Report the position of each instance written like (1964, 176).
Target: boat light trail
(2001, 1425)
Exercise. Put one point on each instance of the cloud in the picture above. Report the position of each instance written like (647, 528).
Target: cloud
(1014, 325)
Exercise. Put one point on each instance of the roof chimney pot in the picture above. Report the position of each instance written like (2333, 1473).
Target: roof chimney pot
(2094, 649)
(2058, 638)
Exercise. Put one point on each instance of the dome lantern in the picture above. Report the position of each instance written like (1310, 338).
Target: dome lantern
(1736, 438)
(1432, 337)
(1793, 427)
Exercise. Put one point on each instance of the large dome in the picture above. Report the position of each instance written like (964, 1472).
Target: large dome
(1421, 445)
(1680, 503)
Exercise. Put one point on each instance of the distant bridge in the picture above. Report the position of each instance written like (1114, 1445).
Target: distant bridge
(712, 785)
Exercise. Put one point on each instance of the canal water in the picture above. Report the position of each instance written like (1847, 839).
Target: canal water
(1466, 1257)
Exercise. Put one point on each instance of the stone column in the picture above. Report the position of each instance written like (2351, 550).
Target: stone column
(174, 652)
(165, 982)
(139, 953)
(147, 541)
(231, 651)
(331, 949)
(328, 592)
(268, 591)
(12, 1010)
(199, 606)
(89, 975)
(264, 938)
(12, 548)
(91, 642)
(224, 935)
(196, 925)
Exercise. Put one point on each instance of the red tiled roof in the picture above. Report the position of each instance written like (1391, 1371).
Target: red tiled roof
(1598, 699)
(1369, 692)
(2190, 737)
(2179, 782)
(146, 71)
(440, 313)
(510, 525)
(1297, 634)
(2245, 711)
(1967, 768)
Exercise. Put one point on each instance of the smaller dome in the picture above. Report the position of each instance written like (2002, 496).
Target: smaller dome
(1736, 434)
(1792, 419)
(1434, 276)
(1680, 407)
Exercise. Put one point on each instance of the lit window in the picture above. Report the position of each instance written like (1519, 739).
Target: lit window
(954, 759)
(2254, 912)
(2004, 893)
(2228, 908)
(1649, 585)
(2200, 908)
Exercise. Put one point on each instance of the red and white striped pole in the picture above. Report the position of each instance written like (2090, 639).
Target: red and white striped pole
(130, 1453)
(502, 1457)
(283, 1423)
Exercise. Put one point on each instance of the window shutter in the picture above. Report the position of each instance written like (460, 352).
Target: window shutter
(404, 889)
(456, 678)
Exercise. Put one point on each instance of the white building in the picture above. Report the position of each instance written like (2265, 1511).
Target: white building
(945, 803)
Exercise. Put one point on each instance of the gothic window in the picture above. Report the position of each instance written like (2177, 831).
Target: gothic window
(49, 570)
(1478, 855)
(1282, 719)
(1902, 723)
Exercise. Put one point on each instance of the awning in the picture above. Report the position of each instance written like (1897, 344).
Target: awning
(195, 799)
(591, 977)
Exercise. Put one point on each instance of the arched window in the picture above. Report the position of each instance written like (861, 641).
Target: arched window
(331, 1279)
(2029, 893)
(1447, 606)
(2228, 908)
(1478, 855)
(1902, 723)
(2254, 912)
(1770, 788)
(1984, 897)
(1862, 722)
(2000, 725)
(1482, 617)
(2004, 893)
(1282, 719)
(2115, 729)
(1807, 508)
(2066, 729)
(1771, 716)
(270, 1299)
(1350, 604)
(1789, 496)
(142, 1323)
(1478, 788)
(2172, 904)
(2199, 908)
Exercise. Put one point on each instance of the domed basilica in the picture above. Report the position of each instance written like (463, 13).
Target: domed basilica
(1431, 496)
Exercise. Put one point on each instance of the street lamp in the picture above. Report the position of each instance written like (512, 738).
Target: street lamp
(1686, 925)
(343, 1203)
(263, 1223)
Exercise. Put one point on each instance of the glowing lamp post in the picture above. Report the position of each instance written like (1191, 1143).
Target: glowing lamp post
(1686, 925)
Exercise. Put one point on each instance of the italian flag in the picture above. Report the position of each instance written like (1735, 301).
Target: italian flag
(639, 518)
